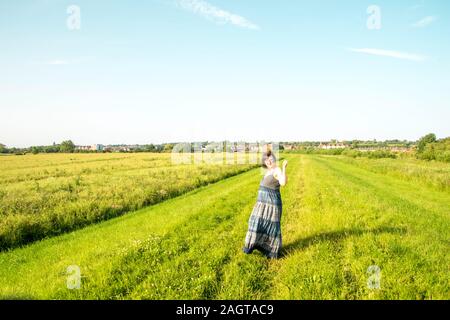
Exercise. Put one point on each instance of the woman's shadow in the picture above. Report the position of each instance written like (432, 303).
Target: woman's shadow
(335, 236)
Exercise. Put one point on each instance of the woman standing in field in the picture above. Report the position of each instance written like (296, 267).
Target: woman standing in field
(264, 231)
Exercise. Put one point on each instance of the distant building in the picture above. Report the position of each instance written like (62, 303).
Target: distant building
(288, 147)
(94, 147)
(83, 148)
(118, 148)
(328, 146)
(97, 147)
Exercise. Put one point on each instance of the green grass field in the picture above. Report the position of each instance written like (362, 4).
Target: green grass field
(340, 217)
(46, 195)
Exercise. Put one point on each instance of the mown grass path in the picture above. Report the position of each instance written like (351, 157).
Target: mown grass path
(338, 220)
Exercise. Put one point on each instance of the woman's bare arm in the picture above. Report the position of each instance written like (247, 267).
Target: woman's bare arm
(280, 174)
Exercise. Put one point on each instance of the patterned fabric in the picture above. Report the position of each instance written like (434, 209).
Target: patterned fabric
(264, 231)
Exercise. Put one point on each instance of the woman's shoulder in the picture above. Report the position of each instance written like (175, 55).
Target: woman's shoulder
(279, 175)
(277, 170)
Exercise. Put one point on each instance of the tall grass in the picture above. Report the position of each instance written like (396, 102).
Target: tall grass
(431, 173)
(46, 195)
(338, 220)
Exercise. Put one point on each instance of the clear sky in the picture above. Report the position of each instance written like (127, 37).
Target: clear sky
(189, 70)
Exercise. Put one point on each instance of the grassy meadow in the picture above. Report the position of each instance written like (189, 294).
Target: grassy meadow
(46, 195)
(340, 217)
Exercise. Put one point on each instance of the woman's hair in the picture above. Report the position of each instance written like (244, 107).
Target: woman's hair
(266, 155)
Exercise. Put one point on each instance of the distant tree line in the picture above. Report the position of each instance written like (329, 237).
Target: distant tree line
(427, 148)
(64, 147)
(353, 143)
(69, 147)
(430, 148)
(354, 153)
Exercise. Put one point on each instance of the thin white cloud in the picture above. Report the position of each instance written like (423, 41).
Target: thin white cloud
(57, 62)
(63, 62)
(211, 12)
(390, 53)
(422, 23)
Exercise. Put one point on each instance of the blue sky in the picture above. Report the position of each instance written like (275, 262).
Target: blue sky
(188, 70)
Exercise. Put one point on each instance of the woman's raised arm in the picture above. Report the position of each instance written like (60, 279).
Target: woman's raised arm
(280, 174)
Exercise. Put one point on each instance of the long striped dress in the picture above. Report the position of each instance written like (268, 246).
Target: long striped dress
(264, 230)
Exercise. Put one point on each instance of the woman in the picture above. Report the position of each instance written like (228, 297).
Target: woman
(264, 232)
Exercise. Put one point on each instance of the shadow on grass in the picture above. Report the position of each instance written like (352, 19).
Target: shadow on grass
(335, 236)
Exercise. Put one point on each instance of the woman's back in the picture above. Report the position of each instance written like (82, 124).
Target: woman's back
(269, 181)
